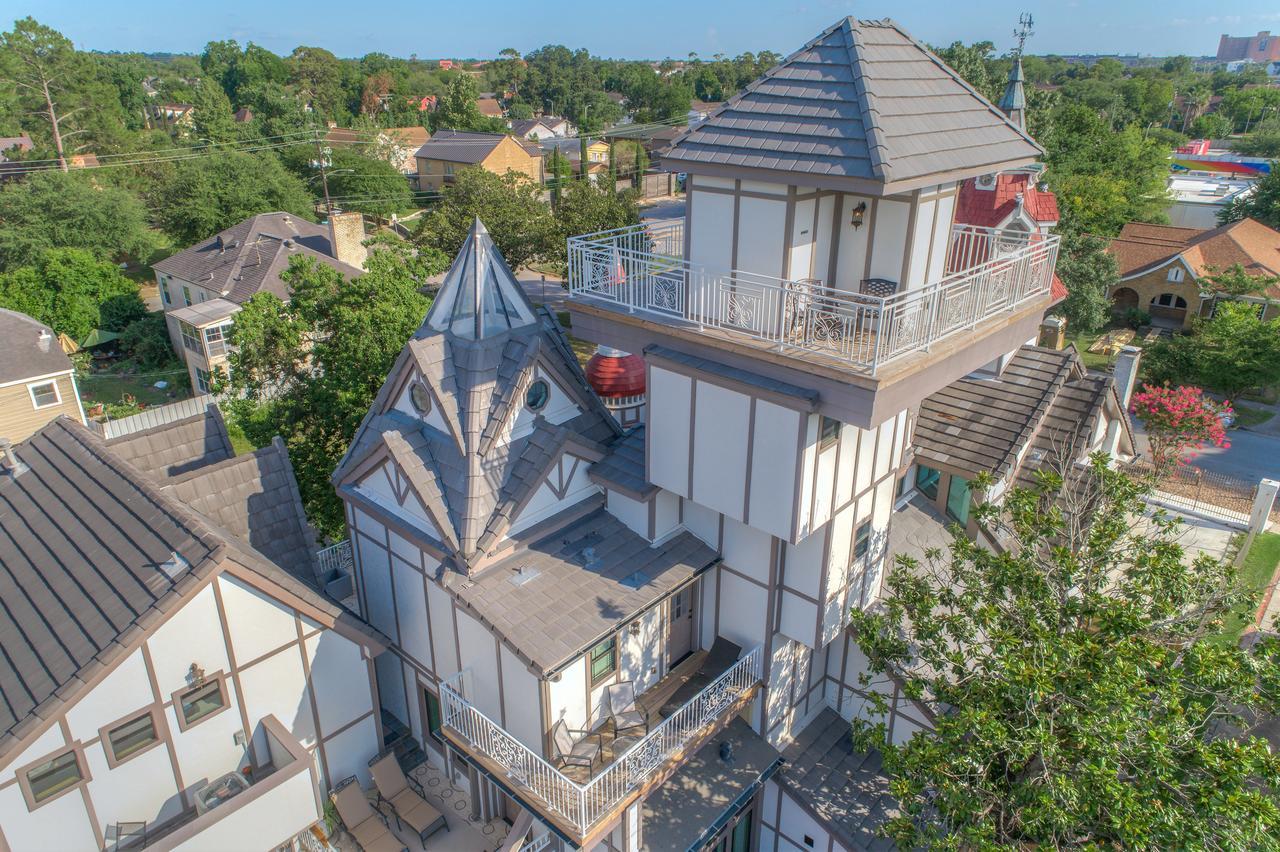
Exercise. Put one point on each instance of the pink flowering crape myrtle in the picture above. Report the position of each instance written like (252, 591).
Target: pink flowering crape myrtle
(1180, 421)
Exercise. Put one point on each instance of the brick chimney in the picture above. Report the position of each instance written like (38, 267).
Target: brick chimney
(1053, 333)
(346, 235)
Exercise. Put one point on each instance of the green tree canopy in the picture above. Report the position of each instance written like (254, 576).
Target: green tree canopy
(510, 206)
(315, 397)
(457, 109)
(1262, 204)
(1088, 272)
(208, 194)
(1231, 352)
(585, 208)
(54, 209)
(1081, 700)
(368, 184)
(72, 292)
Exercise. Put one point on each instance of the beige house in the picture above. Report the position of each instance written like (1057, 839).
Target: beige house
(37, 381)
(203, 287)
(1161, 268)
(449, 151)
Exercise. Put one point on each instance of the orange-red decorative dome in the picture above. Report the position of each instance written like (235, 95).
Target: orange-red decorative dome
(614, 374)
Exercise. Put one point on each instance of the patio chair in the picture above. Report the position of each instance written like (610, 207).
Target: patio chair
(368, 827)
(582, 751)
(405, 796)
(620, 699)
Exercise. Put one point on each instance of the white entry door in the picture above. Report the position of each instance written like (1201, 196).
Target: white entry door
(680, 626)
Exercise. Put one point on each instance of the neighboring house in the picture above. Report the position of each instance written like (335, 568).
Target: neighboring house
(699, 111)
(448, 151)
(37, 379)
(424, 103)
(180, 117)
(20, 144)
(540, 129)
(446, 64)
(489, 107)
(1263, 47)
(243, 115)
(1198, 199)
(203, 287)
(1161, 268)
(170, 662)
(571, 150)
(537, 568)
(399, 144)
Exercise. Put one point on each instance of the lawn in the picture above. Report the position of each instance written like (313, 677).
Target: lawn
(1256, 572)
(110, 388)
(1083, 340)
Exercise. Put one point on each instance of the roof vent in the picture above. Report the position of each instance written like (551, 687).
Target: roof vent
(635, 580)
(10, 464)
(524, 574)
(45, 338)
(285, 218)
(218, 243)
(288, 243)
(174, 565)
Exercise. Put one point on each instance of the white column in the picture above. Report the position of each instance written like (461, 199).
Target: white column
(1263, 500)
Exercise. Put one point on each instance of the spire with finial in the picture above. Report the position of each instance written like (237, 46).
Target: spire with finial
(479, 297)
(1014, 102)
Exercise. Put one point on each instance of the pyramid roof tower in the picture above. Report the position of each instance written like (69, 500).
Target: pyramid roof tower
(863, 107)
(480, 296)
(1014, 102)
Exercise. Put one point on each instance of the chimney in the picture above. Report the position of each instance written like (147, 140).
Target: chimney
(1126, 372)
(346, 236)
(1053, 333)
(45, 338)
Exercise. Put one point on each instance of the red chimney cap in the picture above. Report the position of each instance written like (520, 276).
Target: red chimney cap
(615, 374)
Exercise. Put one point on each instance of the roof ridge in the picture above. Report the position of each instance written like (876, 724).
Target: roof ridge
(876, 144)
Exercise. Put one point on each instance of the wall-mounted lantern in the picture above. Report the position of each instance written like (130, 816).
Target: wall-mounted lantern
(858, 214)
(195, 674)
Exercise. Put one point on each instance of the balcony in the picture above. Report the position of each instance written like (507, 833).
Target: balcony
(642, 270)
(577, 808)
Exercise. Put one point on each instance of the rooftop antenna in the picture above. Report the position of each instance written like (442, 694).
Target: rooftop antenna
(1014, 102)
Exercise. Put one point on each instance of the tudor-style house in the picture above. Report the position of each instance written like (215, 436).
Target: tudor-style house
(589, 622)
(172, 678)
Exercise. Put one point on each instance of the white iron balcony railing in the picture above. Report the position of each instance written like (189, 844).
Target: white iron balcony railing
(642, 269)
(582, 805)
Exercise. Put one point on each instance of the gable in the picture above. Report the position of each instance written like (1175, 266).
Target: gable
(388, 486)
(565, 484)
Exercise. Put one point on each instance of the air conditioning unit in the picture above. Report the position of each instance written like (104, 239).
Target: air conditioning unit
(985, 182)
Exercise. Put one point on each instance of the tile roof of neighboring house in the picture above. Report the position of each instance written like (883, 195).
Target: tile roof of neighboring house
(461, 146)
(178, 447)
(412, 136)
(567, 591)
(1142, 247)
(242, 115)
(861, 106)
(22, 143)
(28, 348)
(138, 554)
(489, 107)
(847, 789)
(974, 425)
(248, 258)
(988, 208)
(522, 127)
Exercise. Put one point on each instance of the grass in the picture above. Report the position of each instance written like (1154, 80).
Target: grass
(1256, 571)
(240, 443)
(1083, 340)
(111, 386)
(1247, 416)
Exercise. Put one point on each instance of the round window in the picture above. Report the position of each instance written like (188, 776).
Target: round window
(421, 399)
(537, 395)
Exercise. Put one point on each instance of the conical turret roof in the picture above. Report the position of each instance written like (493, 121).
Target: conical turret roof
(480, 297)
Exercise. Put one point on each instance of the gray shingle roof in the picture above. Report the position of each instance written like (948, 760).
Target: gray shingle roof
(846, 789)
(574, 596)
(252, 255)
(861, 106)
(460, 146)
(174, 448)
(22, 352)
(623, 468)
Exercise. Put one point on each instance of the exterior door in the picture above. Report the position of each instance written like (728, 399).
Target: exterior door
(680, 627)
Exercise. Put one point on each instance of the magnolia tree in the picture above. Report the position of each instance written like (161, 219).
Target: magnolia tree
(1179, 422)
(1082, 692)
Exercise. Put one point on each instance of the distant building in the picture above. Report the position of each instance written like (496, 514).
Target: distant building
(243, 115)
(489, 107)
(20, 144)
(37, 381)
(448, 151)
(398, 143)
(446, 64)
(1262, 47)
(1199, 198)
(546, 127)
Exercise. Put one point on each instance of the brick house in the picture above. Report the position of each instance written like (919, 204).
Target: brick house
(1161, 267)
(450, 150)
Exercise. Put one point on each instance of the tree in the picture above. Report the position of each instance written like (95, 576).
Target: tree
(1211, 126)
(316, 75)
(1179, 421)
(38, 61)
(73, 293)
(584, 209)
(1080, 700)
(315, 396)
(53, 209)
(1262, 204)
(214, 118)
(1089, 273)
(510, 206)
(1231, 352)
(368, 184)
(211, 193)
(457, 110)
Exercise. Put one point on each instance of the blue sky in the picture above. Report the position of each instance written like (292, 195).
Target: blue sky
(653, 28)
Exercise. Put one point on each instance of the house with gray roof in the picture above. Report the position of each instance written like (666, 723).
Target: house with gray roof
(449, 151)
(166, 647)
(37, 379)
(203, 287)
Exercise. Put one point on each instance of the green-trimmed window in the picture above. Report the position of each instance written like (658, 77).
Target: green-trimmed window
(604, 660)
(53, 776)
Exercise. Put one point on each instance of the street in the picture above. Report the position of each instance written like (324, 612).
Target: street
(1252, 455)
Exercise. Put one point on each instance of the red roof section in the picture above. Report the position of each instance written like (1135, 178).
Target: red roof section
(987, 208)
(613, 376)
(1057, 289)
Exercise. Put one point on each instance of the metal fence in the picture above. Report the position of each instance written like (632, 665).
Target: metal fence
(1201, 492)
(643, 269)
(160, 415)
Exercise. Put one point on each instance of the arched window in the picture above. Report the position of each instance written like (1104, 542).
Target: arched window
(1169, 300)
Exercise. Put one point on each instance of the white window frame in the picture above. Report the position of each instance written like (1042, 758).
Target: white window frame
(1175, 275)
(57, 393)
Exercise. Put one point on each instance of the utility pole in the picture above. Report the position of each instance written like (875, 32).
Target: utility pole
(324, 163)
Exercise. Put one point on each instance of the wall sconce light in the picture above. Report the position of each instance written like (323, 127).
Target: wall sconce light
(858, 214)
(196, 675)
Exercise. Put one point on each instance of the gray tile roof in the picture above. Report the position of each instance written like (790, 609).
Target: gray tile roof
(22, 352)
(460, 146)
(84, 539)
(1067, 426)
(87, 566)
(846, 789)
(623, 468)
(254, 497)
(863, 104)
(174, 448)
(680, 814)
(583, 580)
(975, 425)
(251, 256)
